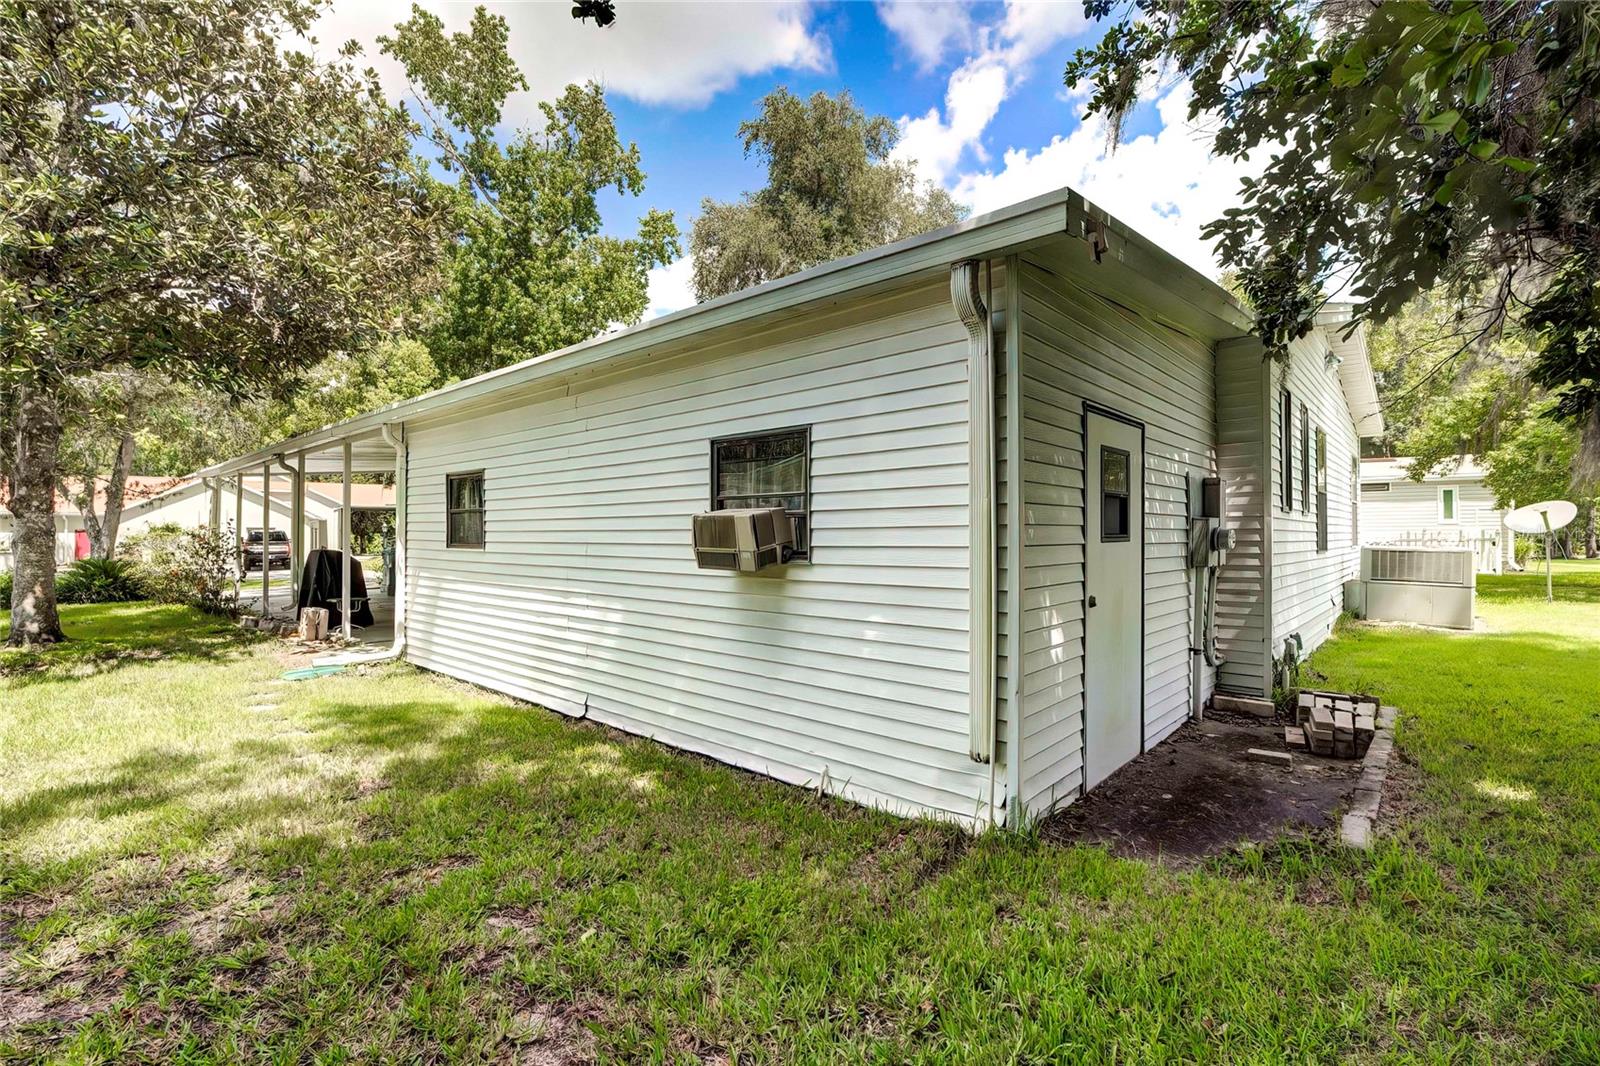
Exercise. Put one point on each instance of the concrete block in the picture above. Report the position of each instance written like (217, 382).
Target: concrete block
(1276, 758)
(1356, 831)
(1365, 802)
(1365, 724)
(1294, 736)
(1321, 719)
(1244, 705)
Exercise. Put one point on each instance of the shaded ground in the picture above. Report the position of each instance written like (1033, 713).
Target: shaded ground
(1196, 794)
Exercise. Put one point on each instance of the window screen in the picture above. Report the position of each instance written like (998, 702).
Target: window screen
(1305, 459)
(766, 470)
(464, 510)
(1286, 447)
(1447, 505)
(1322, 491)
(1114, 493)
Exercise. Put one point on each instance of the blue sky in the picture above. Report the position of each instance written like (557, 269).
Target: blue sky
(975, 88)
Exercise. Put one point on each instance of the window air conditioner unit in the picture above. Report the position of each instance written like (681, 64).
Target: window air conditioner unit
(743, 540)
(1431, 586)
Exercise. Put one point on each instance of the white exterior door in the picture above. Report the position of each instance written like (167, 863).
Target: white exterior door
(1113, 594)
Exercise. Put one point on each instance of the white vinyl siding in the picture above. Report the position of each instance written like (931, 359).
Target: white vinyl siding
(1307, 592)
(848, 672)
(1077, 347)
(1244, 395)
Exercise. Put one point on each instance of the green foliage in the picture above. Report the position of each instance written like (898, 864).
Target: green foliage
(530, 270)
(831, 191)
(100, 581)
(179, 193)
(187, 566)
(1407, 145)
(5, 587)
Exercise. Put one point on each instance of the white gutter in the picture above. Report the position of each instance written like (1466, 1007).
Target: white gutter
(967, 297)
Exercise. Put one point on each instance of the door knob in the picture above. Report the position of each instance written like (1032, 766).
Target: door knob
(1091, 601)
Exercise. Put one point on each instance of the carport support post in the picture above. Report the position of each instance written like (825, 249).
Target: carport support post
(266, 540)
(215, 518)
(238, 535)
(344, 548)
(301, 541)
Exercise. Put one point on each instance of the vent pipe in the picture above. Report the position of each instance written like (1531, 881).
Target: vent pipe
(967, 295)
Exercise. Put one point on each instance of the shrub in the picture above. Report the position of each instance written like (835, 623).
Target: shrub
(99, 581)
(191, 566)
(5, 591)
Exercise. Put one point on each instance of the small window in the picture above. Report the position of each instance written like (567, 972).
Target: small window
(464, 510)
(766, 470)
(1114, 493)
(1322, 491)
(1286, 447)
(1305, 459)
(1374, 486)
(1355, 499)
(1447, 505)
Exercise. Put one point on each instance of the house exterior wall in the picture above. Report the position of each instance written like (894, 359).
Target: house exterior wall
(1410, 511)
(1243, 385)
(848, 672)
(1078, 348)
(1307, 593)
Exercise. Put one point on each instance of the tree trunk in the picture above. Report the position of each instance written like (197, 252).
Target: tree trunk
(37, 436)
(1591, 543)
(103, 534)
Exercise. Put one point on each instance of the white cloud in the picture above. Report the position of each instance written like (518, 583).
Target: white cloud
(980, 85)
(927, 29)
(671, 288)
(970, 104)
(1166, 186)
(679, 54)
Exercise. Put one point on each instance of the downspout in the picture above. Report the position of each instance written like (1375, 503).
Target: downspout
(966, 295)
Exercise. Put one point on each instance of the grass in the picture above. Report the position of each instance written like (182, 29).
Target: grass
(389, 866)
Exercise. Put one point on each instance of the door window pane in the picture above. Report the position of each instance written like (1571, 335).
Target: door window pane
(1115, 470)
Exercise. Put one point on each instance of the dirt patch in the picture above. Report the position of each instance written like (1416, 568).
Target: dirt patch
(546, 1034)
(1196, 795)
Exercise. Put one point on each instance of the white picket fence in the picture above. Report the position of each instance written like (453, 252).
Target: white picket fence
(1486, 545)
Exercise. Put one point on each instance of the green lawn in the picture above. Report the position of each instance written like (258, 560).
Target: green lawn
(393, 867)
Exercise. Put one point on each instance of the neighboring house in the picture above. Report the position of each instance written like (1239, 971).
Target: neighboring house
(1451, 509)
(188, 504)
(72, 537)
(968, 633)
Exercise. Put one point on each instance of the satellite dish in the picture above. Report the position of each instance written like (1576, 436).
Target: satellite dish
(1546, 518)
(1550, 515)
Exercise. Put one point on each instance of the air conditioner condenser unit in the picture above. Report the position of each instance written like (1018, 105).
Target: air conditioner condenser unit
(743, 541)
(1433, 586)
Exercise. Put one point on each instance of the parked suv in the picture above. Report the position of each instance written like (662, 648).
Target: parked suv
(277, 550)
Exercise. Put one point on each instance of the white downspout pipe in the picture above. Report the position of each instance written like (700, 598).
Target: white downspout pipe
(967, 296)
